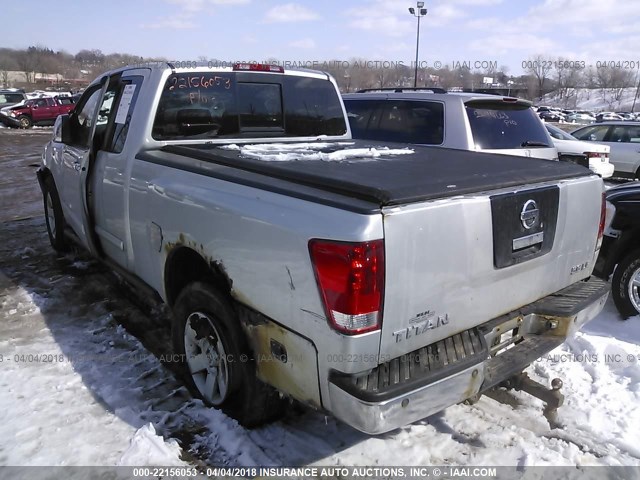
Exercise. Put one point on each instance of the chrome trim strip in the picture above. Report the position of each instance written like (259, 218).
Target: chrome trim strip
(524, 242)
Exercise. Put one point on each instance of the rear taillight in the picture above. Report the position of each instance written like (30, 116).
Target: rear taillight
(350, 277)
(599, 156)
(603, 217)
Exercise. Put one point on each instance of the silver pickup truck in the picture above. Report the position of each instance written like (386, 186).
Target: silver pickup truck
(380, 283)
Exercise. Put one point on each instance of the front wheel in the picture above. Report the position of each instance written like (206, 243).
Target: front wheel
(625, 285)
(54, 217)
(25, 121)
(215, 357)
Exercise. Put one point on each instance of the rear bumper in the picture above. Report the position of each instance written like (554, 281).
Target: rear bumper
(452, 370)
(604, 169)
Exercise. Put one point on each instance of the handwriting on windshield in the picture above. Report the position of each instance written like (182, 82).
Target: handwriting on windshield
(497, 115)
(197, 96)
(198, 81)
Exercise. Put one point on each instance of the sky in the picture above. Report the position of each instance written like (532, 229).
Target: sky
(503, 32)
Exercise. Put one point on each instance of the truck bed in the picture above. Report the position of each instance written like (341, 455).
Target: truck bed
(428, 173)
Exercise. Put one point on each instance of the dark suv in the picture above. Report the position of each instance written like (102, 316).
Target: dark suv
(465, 121)
(11, 96)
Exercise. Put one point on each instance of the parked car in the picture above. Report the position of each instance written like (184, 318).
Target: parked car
(588, 154)
(624, 140)
(464, 121)
(378, 282)
(39, 111)
(620, 251)
(551, 116)
(577, 117)
(608, 117)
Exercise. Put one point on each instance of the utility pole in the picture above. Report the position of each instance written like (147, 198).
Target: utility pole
(419, 12)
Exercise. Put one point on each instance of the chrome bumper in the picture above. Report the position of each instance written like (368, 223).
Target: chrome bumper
(544, 330)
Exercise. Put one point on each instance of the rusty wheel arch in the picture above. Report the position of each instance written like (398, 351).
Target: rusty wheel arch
(185, 265)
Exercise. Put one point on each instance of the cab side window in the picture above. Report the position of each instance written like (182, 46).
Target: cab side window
(126, 102)
(81, 121)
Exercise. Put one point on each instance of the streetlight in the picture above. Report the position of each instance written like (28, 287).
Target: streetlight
(419, 11)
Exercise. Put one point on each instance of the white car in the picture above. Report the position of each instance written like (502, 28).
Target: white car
(580, 118)
(597, 154)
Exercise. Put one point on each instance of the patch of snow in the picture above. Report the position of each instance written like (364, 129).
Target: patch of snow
(81, 265)
(287, 152)
(148, 449)
(292, 146)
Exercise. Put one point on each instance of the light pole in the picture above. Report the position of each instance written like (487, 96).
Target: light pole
(635, 97)
(419, 11)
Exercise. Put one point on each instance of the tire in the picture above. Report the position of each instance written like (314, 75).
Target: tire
(625, 285)
(53, 215)
(25, 121)
(215, 357)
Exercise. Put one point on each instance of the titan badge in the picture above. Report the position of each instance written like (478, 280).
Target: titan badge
(420, 324)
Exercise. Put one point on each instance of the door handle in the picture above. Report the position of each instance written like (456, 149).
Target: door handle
(76, 166)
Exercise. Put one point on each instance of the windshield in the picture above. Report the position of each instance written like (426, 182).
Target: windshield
(497, 125)
(211, 105)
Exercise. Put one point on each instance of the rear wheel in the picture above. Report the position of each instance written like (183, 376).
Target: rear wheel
(25, 121)
(625, 285)
(53, 215)
(216, 360)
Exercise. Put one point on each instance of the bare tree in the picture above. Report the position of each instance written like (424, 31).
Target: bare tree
(568, 77)
(613, 81)
(28, 63)
(539, 67)
(7, 63)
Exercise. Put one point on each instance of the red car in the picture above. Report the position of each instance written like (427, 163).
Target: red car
(38, 111)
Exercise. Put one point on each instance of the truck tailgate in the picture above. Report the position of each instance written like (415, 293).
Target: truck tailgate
(453, 264)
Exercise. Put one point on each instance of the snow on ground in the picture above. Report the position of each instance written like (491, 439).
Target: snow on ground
(86, 379)
(594, 99)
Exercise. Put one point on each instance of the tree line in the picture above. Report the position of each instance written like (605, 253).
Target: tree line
(541, 73)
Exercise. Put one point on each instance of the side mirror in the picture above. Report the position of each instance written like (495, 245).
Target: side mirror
(63, 129)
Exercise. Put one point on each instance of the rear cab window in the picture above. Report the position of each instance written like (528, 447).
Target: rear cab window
(499, 125)
(210, 105)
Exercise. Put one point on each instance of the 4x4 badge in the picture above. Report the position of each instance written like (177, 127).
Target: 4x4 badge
(529, 214)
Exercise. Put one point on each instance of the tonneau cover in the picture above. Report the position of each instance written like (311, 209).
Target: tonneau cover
(428, 173)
